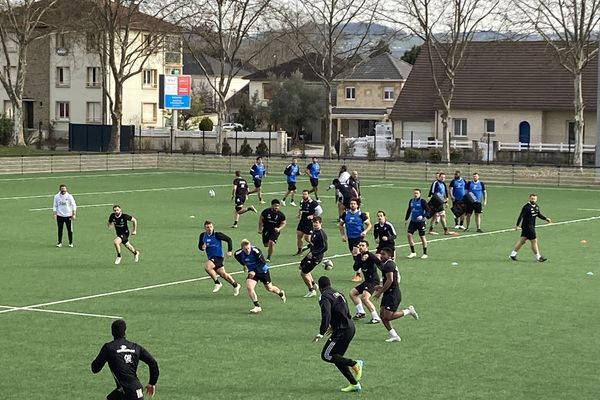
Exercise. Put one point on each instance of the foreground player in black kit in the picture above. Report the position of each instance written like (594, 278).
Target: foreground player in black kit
(335, 318)
(529, 213)
(119, 220)
(123, 358)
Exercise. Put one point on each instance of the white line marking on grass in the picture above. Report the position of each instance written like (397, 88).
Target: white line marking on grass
(11, 308)
(83, 175)
(78, 206)
(132, 290)
(588, 209)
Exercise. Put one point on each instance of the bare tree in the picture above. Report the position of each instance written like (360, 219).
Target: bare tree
(127, 34)
(220, 29)
(569, 27)
(21, 22)
(324, 40)
(446, 28)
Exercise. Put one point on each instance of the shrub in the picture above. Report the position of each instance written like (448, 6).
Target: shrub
(51, 141)
(391, 148)
(205, 124)
(166, 146)
(146, 144)
(435, 155)
(245, 150)
(371, 153)
(186, 146)
(347, 148)
(30, 137)
(226, 148)
(262, 149)
(411, 155)
(6, 130)
(456, 155)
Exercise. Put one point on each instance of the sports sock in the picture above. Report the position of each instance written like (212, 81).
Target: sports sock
(424, 250)
(406, 311)
(280, 294)
(537, 256)
(392, 332)
(374, 315)
(217, 281)
(412, 249)
(118, 254)
(234, 284)
(360, 309)
(513, 253)
(256, 303)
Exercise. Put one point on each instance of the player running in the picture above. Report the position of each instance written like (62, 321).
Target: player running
(291, 172)
(318, 247)
(212, 242)
(306, 212)
(270, 223)
(258, 172)
(391, 296)
(368, 263)
(239, 193)
(384, 233)
(119, 221)
(258, 271)
(357, 225)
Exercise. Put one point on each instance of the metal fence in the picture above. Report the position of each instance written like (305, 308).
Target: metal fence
(384, 170)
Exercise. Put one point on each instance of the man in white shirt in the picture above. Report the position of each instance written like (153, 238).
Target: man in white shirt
(64, 209)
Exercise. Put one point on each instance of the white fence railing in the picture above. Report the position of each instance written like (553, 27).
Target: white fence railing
(562, 147)
(422, 143)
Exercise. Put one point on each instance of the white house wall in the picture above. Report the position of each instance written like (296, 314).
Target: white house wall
(556, 125)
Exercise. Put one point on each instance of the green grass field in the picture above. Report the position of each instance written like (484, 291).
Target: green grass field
(489, 328)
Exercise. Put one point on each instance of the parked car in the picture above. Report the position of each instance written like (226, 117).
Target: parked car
(232, 126)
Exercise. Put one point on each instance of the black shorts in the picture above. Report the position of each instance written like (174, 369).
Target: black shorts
(305, 226)
(239, 202)
(260, 277)
(257, 183)
(309, 263)
(120, 394)
(124, 237)
(218, 261)
(414, 226)
(345, 202)
(528, 233)
(353, 242)
(291, 186)
(368, 286)
(477, 208)
(269, 236)
(391, 300)
(314, 182)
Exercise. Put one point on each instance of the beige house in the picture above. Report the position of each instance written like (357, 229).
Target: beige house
(64, 82)
(366, 94)
(513, 92)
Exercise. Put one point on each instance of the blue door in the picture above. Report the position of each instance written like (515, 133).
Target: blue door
(524, 132)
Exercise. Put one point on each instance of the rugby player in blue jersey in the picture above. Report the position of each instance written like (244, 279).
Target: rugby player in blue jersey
(212, 243)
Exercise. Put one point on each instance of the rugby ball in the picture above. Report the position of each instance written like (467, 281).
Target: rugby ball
(327, 264)
(211, 193)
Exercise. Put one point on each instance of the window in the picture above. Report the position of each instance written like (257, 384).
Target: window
(350, 93)
(94, 79)
(571, 132)
(489, 126)
(148, 113)
(94, 112)
(460, 127)
(7, 110)
(91, 42)
(62, 41)
(149, 79)
(267, 91)
(173, 50)
(62, 111)
(149, 43)
(388, 93)
(63, 77)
